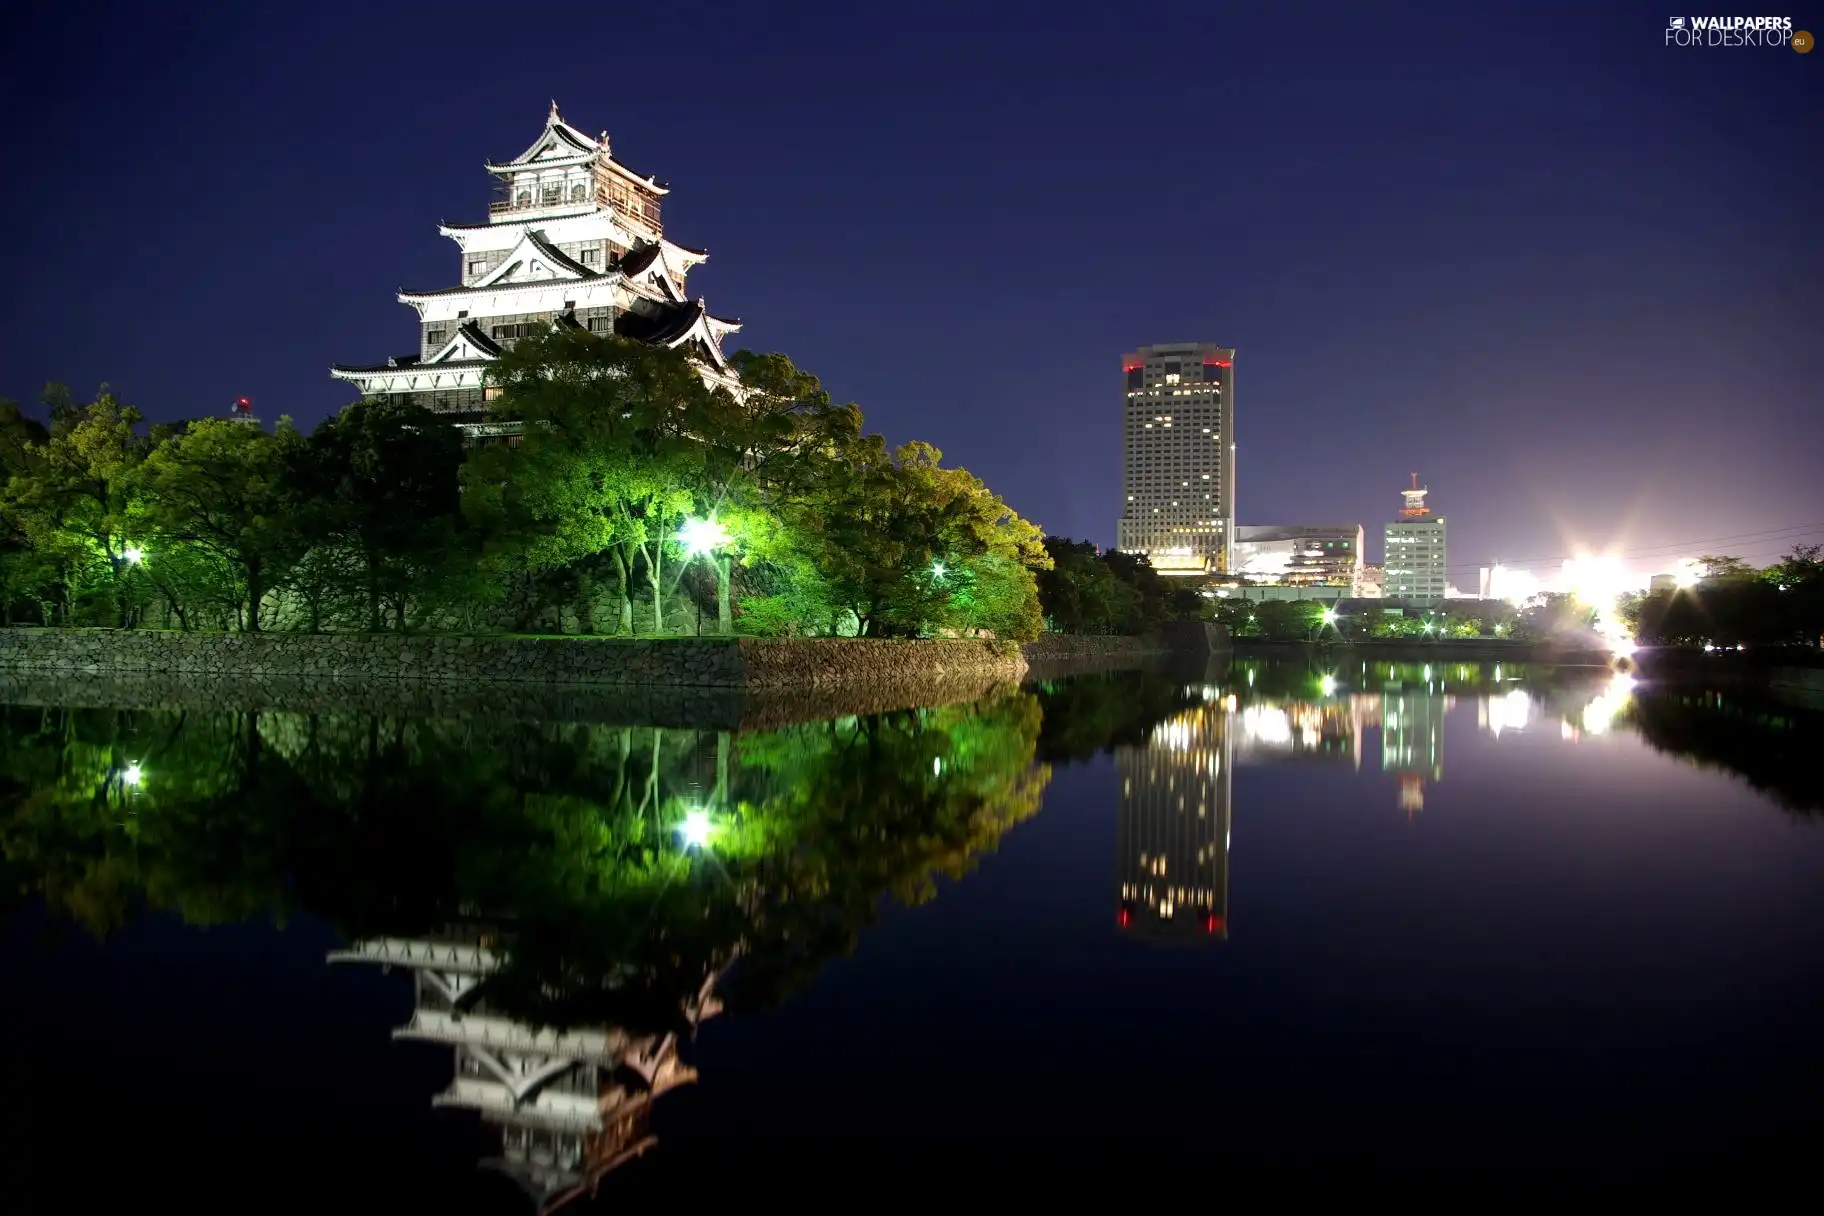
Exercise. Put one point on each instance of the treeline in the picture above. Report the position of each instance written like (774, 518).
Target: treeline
(1735, 604)
(634, 499)
(1109, 592)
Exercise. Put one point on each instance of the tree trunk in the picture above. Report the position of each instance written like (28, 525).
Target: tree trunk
(725, 612)
(626, 573)
(254, 594)
(654, 569)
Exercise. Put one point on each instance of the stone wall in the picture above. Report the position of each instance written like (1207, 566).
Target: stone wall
(669, 662)
(743, 663)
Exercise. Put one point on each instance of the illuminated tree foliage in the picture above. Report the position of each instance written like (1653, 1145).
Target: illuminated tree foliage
(381, 519)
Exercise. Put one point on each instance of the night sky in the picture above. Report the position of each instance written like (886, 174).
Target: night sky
(1571, 276)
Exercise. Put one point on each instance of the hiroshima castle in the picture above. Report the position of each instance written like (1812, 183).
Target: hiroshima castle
(573, 238)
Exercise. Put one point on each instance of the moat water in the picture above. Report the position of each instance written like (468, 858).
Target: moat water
(1394, 926)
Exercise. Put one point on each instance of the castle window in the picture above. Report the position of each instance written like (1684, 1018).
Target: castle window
(576, 193)
(433, 338)
(588, 257)
(601, 325)
(477, 266)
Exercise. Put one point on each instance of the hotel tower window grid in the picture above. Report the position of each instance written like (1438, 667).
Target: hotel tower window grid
(1178, 450)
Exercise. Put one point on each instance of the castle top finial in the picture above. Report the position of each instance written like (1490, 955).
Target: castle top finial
(554, 108)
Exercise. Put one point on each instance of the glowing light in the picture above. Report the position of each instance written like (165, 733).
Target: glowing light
(1686, 575)
(133, 555)
(1601, 712)
(1329, 616)
(700, 536)
(132, 775)
(1327, 686)
(695, 829)
(937, 571)
(1509, 712)
(1513, 586)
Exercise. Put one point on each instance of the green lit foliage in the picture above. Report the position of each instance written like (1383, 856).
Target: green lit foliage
(912, 548)
(220, 488)
(74, 500)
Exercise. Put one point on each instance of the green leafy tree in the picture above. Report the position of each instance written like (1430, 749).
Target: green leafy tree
(76, 500)
(221, 487)
(383, 480)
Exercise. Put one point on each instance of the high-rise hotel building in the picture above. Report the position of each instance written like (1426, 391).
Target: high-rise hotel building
(1178, 457)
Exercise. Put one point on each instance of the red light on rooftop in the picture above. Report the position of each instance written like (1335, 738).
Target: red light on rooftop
(1213, 361)
(1123, 917)
(1131, 365)
(1212, 924)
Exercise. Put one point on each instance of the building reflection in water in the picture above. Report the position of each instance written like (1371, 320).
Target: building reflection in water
(1412, 739)
(1174, 828)
(570, 1105)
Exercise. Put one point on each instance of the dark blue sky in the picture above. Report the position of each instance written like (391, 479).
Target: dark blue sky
(1573, 277)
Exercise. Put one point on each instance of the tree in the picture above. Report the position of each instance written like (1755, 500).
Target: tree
(888, 531)
(221, 486)
(612, 459)
(383, 478)
(76, 501)
(1082, 594)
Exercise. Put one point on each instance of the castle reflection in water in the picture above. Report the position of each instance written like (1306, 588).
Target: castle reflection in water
(1177, 788)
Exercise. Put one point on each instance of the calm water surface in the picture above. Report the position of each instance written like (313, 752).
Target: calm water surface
(1406, 925)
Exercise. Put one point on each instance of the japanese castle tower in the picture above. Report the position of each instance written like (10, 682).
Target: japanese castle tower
(573, 238)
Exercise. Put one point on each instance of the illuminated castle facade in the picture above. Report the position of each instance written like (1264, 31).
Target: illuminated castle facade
(573, 238)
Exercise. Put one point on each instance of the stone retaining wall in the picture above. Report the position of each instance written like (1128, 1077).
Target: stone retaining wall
(730, 663)
(669, 662)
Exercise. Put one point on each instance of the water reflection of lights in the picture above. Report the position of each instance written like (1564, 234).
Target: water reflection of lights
(1266, 724)
(1601, 712)
(1509, 712)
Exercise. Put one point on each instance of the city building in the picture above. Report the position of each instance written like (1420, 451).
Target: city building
(1415, 555)
(573, 238)
(1173, 828)
(1299, 555)
(1373, 583)
(1178, 457)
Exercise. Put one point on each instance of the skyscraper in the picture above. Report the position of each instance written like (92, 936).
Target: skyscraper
(1415, 565)
(1178, 457)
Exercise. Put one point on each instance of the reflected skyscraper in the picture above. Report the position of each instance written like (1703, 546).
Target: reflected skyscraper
(1174, 828)
(1412, 740)
(570, 1105)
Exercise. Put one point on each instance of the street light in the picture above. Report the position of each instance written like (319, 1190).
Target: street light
(695, 829)
(702, 537)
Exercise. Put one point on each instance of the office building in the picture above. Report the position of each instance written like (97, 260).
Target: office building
(1299, 555)
(1178, 457)
(574, 239)
(1415, 557)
